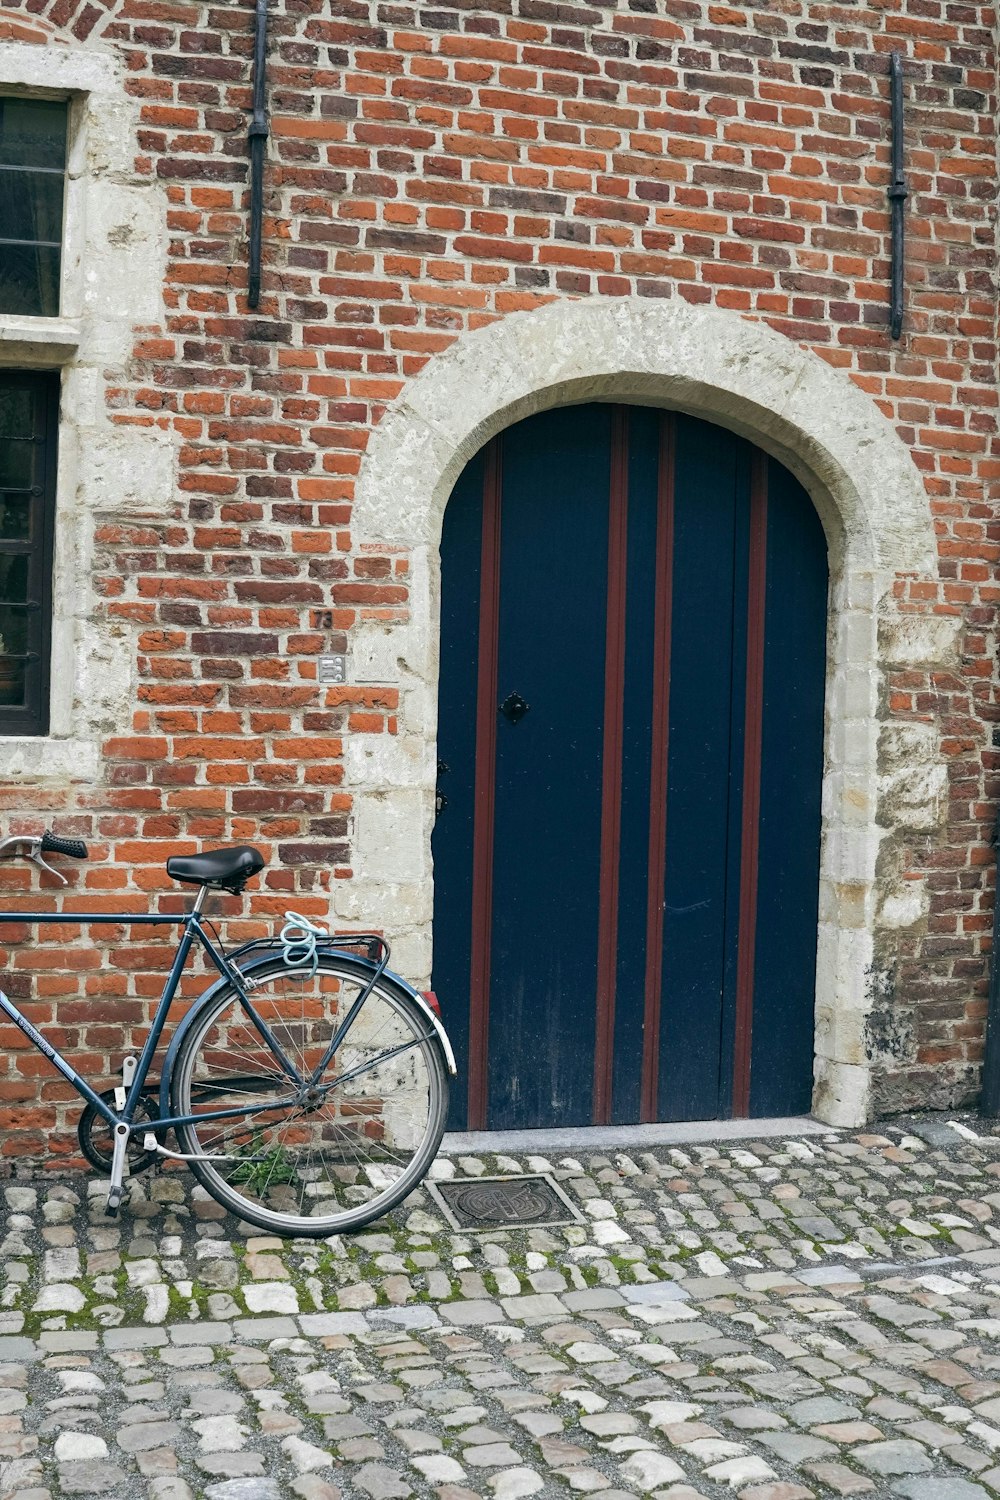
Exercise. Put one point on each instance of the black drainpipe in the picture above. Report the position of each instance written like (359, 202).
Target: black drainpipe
(257, 134)
(897, 194)
(989, 1100)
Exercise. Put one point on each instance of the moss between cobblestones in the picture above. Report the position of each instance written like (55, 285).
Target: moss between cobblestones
(199, 1296)
(128, 1297)
(624, 1269)
(326, 1262)
(297, 1280)
(177, 1306)
(85, 1319)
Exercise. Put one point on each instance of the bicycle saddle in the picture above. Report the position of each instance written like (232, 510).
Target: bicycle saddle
(222, 869)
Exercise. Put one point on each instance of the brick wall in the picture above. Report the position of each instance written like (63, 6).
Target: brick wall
(432, 169)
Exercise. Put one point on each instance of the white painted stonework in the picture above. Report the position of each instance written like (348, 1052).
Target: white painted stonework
(881, 779)
(114, 261)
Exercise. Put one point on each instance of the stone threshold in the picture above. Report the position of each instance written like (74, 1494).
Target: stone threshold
(630, 1137)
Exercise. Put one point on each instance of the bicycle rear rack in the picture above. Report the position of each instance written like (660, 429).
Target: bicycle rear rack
(375, 947)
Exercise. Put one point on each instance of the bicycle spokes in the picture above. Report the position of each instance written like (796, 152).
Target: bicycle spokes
(349, 1131)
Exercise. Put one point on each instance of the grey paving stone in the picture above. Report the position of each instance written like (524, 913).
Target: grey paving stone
(839, 1478)
(68, 1342)
(754, 1419)
(140, 1436)
(213, 1402)
(313, 1487)
(930, 1487)
(89, 1477)
(591, 1299)
(304, 1456)
(134, 1338)
(653, 1292)
(315, 1325)
(231, 1465)
(540, 1308)
(648, 1470)
(169, 1487)
(611, 1494)
(404, 1317)
(784, 1385)
(490, 1455)
(77, 1447)
(471, 1314)
(899, 1456)
(381, 1482)
(514, 1484)
(795, 1447)
(819, 1409)
(264, 1328)
(380, 1392)
(201, 1333)
(13, 1350)
(244, 1489)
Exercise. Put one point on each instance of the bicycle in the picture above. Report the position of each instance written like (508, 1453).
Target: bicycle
(307, 1087)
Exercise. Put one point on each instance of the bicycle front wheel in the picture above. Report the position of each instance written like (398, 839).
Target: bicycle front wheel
(307, 1148)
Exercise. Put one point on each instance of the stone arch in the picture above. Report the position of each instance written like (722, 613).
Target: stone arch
(873, 505)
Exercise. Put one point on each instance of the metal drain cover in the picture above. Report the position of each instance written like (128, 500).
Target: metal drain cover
(483, 1203)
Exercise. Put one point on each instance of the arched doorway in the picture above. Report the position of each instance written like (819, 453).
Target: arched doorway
(630, 740)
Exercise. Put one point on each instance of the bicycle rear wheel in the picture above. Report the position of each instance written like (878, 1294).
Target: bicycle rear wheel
(326, 1158)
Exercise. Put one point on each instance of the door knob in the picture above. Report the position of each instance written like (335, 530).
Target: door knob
(513, 708)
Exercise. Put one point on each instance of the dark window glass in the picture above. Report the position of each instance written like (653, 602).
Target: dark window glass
(32, 182)
(29, 414)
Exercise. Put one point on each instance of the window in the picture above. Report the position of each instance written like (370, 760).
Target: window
(32, 184)
(29, 417)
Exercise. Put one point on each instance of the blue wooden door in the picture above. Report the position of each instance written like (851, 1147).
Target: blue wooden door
(630, 738)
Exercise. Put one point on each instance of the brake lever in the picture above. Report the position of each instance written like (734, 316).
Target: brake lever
(35, 855)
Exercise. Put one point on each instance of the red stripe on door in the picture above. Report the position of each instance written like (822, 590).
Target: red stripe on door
(656, 867)
(611, 790)
(750, 828)
(485, 790)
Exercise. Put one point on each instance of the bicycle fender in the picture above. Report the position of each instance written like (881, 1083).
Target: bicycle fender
(430, 1016)
(177, 1040)
(420, 1000)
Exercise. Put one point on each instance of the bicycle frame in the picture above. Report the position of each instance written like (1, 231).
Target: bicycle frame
(193, 931)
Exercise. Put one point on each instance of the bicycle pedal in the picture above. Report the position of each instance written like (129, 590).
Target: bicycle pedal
(115, 1197)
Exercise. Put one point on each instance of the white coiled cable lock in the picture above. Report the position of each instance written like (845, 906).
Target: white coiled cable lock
(298, 942)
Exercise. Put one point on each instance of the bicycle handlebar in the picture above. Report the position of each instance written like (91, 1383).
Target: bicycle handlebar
(33, 847)
(75, 848)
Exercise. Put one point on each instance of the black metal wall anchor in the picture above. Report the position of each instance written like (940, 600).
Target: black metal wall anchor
(898, 192)
(514, 708)
(257, 135)
(440, 799)
(989, 1099)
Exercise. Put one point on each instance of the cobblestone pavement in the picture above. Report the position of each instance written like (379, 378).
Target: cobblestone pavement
(776, 1320)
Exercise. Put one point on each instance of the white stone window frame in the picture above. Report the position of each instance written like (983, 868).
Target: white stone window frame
(883, 780)
(111, 283)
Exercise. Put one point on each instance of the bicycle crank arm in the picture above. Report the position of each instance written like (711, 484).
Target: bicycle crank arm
(116, 1192)
(150, 1143)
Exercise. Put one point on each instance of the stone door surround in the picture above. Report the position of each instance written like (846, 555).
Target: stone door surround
(876, 514)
